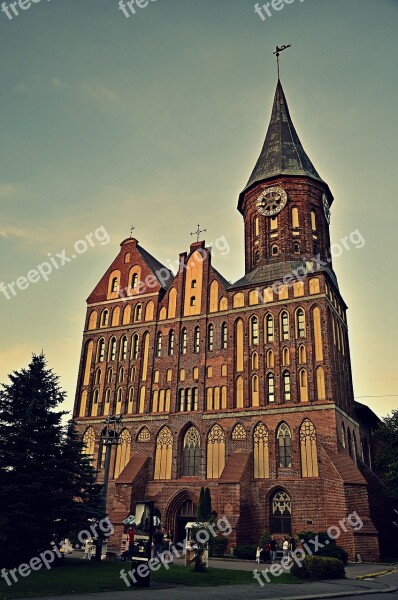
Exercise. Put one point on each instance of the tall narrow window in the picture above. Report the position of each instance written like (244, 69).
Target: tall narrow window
(196, 340)
(171, 342)
(255, 394)
(191, 463)
(261, 453)
(210, 337)
(239, 392)
(183, 341)
(285, 325)
(316, 315)
(239, 345)
(89, 442)
(159, 344)
(164, 454)
(320, 384)
(300, 323)
(281, 511)
(313, 220)
(270, 359)
(224, 336)
(104, 318)
(285, 357)
(302, 354)
(107, 402)
(123, 348)
(122, 452)
(112, 349)
(101, 350)
(215, 452)
(256, 227)
(134, 346)
(134, 281)
(138, 313)
(269, 328)
(253, 331)
(303, 381)
(254, 361)
(308, 450)
(114, 285)
(271, 388)
(284, 446)
(287, 395)
(295, 218)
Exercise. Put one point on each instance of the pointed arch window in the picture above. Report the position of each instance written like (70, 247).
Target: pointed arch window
(164, 454)
(138, 313)
(210, 337)
(270, 359)
(239, 432)
(120, 376)
(215, 452)
(122, 452)
(302, 354)
(285, 357)
(287, 392)
(308, 450)
(97, 378)
(94, 407)
(254, 331)
(104, 318)
(285, 325)
(191, 453)
(134, 346)
(123, 348)
(171, 342)
(343, 440)
(271, 388)
(101, 350)
(303, 385)
(183, 348)
(255, 393)
(320, 384)
(159, 344)
(269, 328)
(261, 452)
(112, 349)
(254, 361)
(114, 285)
(239, 392)
(89, 442)
(224, 336)
(196, 340)
(313, 220)
(281, 511)
(300, 323)
(134, 281)
(284, 446)
(107, 402)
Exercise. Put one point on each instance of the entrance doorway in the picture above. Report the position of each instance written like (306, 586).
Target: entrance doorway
(281, 513)
(186, 513)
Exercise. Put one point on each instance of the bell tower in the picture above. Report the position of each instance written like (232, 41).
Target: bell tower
(285, 204)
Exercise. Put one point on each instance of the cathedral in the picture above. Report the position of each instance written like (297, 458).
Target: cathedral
(243, 388)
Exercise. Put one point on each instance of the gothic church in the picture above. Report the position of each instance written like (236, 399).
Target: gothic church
(244, 388)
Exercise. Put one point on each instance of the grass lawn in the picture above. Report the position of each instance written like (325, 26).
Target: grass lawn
(75, 576)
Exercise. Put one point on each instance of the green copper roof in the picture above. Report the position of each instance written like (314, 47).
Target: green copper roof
(282, 153)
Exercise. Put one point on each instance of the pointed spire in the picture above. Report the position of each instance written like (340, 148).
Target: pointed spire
(282, 153)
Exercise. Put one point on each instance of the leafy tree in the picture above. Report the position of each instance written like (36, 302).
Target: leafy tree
(387, 455)
(47, 487)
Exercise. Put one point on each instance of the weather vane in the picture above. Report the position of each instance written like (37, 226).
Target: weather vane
(198, 232)
(131, 231)
(277, 53)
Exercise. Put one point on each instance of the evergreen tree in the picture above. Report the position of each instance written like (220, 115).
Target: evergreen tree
(387, 455)
(46, 485)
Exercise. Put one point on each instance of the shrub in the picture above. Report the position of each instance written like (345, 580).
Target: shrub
(330, 548)
(217, 546)
(266, 537)
(334, 551)
(245, 552)
(319, 567)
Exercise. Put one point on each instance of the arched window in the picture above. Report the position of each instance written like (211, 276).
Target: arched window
(101, 350)
(320, 384)
(215, 452)
(112, 349)
(120, 376)
(119, 400)
(122, 452)
(303, 385)
(295, 218)
(134, 346)
(284, 443)
(164, 454)
(107, 402)
(209, 398)
(149, 311)
(94, 404)
(285, 357)
(156, 376)
(138, 313)
(261, 452)
(313, 220)
(274, 250)
(343, 440)
(302, 354)
(134, 281)
(287, 392)
(238, 432)
(256, 227)
(191, 465)
(223, 303)
(210, 337)
(126, 315)
(314, 286)
(209, 372)
(114, 285)
(253, 331)
(239, 392)
(196, 340)
(300, 323)
(104, 318)
(224, 336)
(171, 342)
(309, 456)
(213, 296)
(155, 401)
(130, 401)
(183, 342)
(283, 292)
(123, 348)
(269, 328)
(298, 289)
(171, 311)
(239, 345)
(284, 319)
(89, 442)
(116, 316)
(255, 394)
(83, 404)
(281, 511)
(159, 344)
(92, 322)
(97, 378)
(316, 315)
(271, 388)
(254, 361)
(224, 370)
(238, 300)
(144, 435)
(169, 375)
(270, 359)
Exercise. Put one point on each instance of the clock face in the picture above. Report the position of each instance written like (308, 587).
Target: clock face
(271, 201)
(326, 208)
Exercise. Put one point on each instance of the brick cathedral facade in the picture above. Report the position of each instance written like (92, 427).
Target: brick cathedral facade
(244, 388)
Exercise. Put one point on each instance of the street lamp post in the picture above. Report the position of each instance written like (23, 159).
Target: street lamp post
(110, 437)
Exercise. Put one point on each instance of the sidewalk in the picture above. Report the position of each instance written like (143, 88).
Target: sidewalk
(349, 587)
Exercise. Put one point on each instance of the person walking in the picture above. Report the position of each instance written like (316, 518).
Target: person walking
(285, 547)
(273, 548)
(157, 543)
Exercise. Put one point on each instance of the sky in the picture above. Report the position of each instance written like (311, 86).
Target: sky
(156, 121)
